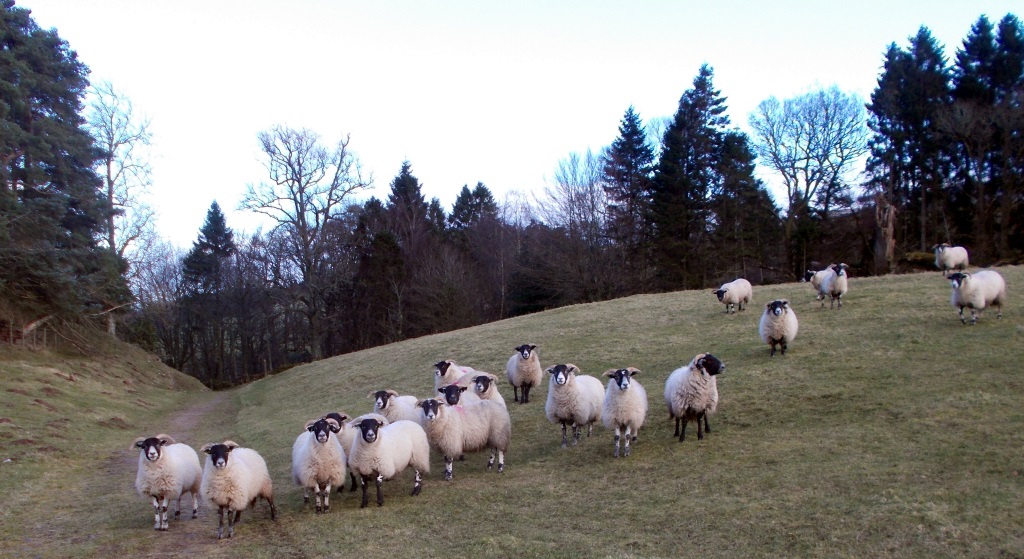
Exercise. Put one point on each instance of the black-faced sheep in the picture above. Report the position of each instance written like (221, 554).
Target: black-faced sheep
(625, 406)
(523, 371)
(383, 450)
(691, 393)
(394, 407)
(234, 478)
(455, 429)
(318, 461)
(950, 258)
(449, 372)
(736, 293)
(778, 325)
(985, 288)
(346, 435)
(573, 399)
(167, 470)
(815, 278)
(834, 285)
(485, 386)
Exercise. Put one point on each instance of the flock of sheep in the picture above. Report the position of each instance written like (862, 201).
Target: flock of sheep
(470, 414)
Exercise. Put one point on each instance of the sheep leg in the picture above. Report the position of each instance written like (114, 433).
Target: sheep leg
(220, 521)
(305, 496)
(327, 497)
(195, 505)
(707, 427)
(363, 481)
(177, 513)
(577, 431)
(232, 519)
(163, 514)
(783, 344)
(380, 490)
(351, 477)
(676, 434)
(962, 319)
(565, 442)
(526, 393)
(974, 317)
(682, 432)
(626, 451)
(317, 494)
(501, 461)
(156, 513)
(273, 509)
(515, 393)
(448, 468)
(772, 342)
(615, 454)
(840, 302)
(418, 484)
(700, 426)
(490, 461)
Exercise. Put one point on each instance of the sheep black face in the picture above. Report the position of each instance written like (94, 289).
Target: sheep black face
(525, 350)
(429, 408)
(777, 307)
(839, 269)
(381, 398)
(151, 447)
(561, 373)
(340, 418)
(322, 428)
(219, 453)
(482, 383)
(452, 393)
(440, 368)
(808, 275)
(957, 279)
(720, 293)
(621, 377)
(368, 429)
(711, 364)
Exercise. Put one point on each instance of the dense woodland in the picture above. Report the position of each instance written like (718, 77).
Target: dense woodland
(935, 155)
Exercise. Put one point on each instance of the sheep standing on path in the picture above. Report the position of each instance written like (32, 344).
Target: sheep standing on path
(985, 288)
(736, 293)
(318, 461)
(625, 406)
(167, 470)
(234, 478)
(691, 393)
(383, 450)
(573, 399)
(778, 325)
(523, 371)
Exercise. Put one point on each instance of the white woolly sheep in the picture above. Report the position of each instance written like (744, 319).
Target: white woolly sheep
(449, 372)
(346, 435)
(167, 470)
(485, 386)
(394, 407)
(691, 393)
(625, 406)
(815, 278)
(318, 461)
(834, 285)
(523, 370)
(573, 398)
(950, 257)
(778, 325)
(736, 293)
(985, 288)
(384, 450)
(234, 478)
(456, 429)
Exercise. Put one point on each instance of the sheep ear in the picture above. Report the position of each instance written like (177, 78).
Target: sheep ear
(633, 372)
(533, 347)
(309, 425)
(441, 390)
(343, 416)
(165, 439)
(232, 445)
(139, 443)
(333, 425)
(391, 392)
(550, 370)
(462, 389)
(372, 395)
(785, 303)
(610, 373)
(206, 448)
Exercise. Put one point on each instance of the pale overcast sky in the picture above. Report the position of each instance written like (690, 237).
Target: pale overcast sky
(466, 91)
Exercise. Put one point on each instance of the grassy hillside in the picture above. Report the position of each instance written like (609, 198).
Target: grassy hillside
(888, 430)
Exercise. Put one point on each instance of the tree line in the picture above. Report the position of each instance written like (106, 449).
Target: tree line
(673, 203)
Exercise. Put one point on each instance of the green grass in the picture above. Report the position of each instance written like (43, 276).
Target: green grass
(888, 430)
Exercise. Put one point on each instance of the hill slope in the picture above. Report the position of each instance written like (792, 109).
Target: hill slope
(888, 430)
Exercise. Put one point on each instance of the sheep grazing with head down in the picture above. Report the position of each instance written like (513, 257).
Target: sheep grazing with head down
(234, 478)
(950, 257)
(167, 470)
(523, 371)
(736, 293)
(395, 407)
(318, 461)
(573, 399)
(778, 325)
(834, 285)
(455, 429)
(977, 291)
(691, 393)
(625, 406)
(383, 450)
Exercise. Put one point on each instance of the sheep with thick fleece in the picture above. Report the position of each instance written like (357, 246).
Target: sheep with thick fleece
(167, 470)
(985, 288)
(625, 406)
(383, 450)
(834, 285)
(691, 393)
(485, 386)
(318, 461)
(234, 478)
(778, 325)
(449, 372)
(950, 257)
(523, 371)
(736, 293)
(346, 435)
(395, 407)
(573, 399)
(456, 429)
(816, 278)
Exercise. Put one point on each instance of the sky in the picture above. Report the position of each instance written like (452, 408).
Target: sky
(465, 91)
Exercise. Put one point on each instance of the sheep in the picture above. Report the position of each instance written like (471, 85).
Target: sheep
(384, 450)
(449, 372)
(485, 386)
(318, 461)
(778, 325)
(394, 407)
(625, 406)
(691, 392)
(950, 257)
(834, 285)
(736, 293)
(984, 288)
(234, 478)
(573, 398)
(346, 435)
(167, 470)
(816, 278)
(456, 429)
(523, 370)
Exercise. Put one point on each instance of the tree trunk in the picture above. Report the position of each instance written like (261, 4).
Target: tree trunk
(885, 241)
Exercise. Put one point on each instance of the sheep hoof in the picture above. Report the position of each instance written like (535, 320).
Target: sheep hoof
(447, 476)
(501, 468)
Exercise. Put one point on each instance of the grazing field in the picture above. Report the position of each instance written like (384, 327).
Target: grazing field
(889, 429)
